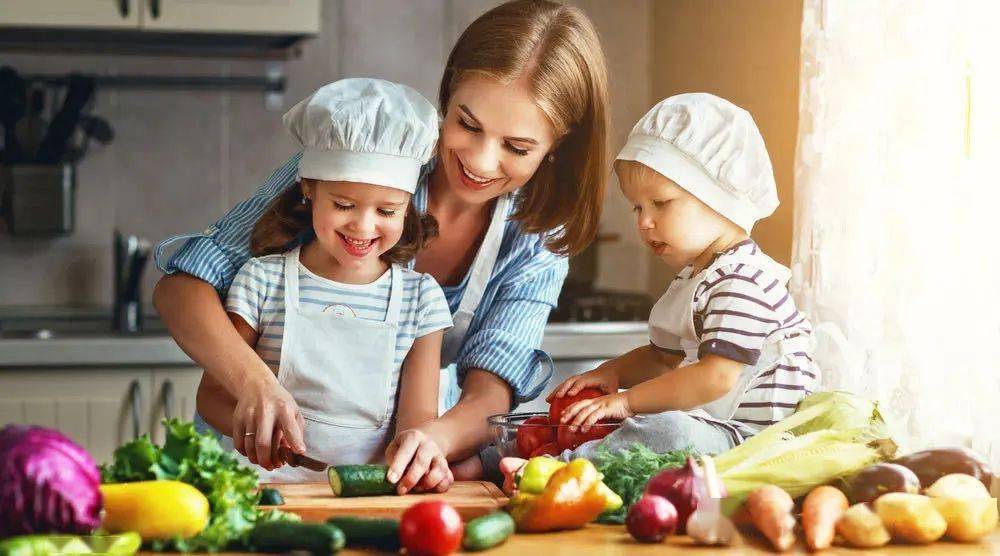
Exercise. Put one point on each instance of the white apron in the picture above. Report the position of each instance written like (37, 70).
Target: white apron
(479, 277)
(341, 371)
(673, 314)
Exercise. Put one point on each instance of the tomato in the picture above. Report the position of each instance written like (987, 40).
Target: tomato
(431, 528)
(536, 433)
(548, 449)
(569, 440)
(559, 404)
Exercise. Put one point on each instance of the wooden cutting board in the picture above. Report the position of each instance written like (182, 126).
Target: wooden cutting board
(316, 502)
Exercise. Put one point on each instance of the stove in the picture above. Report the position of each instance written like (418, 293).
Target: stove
(601, 305)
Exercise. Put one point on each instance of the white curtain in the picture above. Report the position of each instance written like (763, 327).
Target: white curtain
(897, 210)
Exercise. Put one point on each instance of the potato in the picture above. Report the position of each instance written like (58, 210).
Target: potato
(957, 485)
(861, 527)
(969, 519)
(910, 517)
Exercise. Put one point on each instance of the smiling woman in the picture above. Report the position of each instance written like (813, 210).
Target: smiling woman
(516, 184)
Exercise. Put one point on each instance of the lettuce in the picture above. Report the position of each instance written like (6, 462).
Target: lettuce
(197, 459)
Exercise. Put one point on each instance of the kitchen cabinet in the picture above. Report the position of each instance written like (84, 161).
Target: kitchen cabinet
(294, 17)
(98, 408)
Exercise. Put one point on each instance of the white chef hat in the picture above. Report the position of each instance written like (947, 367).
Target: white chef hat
(364, 130)
(711, 148)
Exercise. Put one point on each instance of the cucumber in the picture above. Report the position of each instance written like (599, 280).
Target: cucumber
(270, 497)
(319, 539)
(360, 480)
(488, 531)
(372, 532)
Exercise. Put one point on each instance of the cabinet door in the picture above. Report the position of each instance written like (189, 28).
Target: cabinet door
(93, 14)
(98, 408)
(233, 16)
(174, 395)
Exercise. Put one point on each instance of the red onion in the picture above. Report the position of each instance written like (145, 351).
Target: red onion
(651, 518)
(679, 487)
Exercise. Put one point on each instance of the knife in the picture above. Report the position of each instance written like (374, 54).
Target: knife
(301, 460)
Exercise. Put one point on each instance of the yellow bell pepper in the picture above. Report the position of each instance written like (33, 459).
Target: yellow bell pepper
(572, 498)
(537, 472)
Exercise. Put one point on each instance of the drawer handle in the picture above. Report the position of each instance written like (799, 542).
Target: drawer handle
(167, 398)
(123, 8)
(154, 8)
(135, 398)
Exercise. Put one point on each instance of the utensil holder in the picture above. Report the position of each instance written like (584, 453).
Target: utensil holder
(38, 199)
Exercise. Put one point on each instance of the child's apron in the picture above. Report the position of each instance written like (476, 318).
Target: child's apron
(673, 314)
(341, 372)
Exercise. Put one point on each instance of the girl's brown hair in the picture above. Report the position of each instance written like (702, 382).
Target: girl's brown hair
(287, 219)
(556, 47)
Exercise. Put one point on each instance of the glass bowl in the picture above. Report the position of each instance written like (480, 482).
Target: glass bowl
(504, 429)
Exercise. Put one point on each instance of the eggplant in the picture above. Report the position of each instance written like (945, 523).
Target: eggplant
(931, 465)
(881, 478)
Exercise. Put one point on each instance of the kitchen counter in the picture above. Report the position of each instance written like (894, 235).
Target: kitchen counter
(563, 341)
(613, 541)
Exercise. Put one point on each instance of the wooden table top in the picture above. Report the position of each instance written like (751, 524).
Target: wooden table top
(614, 540)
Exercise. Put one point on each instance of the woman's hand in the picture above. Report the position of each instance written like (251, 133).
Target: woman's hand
(585, 413)
(604, 378)
(266, 416)
(417, 462)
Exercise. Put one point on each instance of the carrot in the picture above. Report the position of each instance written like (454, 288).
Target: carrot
(770, 510)
(820, 512)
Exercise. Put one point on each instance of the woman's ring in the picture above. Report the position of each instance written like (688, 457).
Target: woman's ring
(249, 434)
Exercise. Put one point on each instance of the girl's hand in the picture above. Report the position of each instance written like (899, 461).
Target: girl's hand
(270, 413)
(585, 413)
(511, 467)
(603, 378)
(416, 462)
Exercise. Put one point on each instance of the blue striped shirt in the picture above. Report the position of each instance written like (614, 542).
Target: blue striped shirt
(506, 331)
(257, 295)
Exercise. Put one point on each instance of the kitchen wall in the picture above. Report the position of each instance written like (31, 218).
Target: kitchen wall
(180, 159)
(748, 52)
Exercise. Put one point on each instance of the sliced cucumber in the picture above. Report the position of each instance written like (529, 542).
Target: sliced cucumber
(124, 544)
(372, 532)
(270, 497)
(488, 531)
(360, 480)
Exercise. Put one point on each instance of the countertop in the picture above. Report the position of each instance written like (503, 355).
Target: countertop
(614, 541)
(563, 341)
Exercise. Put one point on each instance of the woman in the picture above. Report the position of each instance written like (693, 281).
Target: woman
(517, 185)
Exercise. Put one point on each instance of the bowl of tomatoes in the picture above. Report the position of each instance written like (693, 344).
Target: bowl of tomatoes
(526, 435)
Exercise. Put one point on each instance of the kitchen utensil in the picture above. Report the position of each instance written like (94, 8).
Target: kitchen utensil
(301, 460)
(13, 103)
(31, 129)
(92, 127)
(315, 502)
(504, 430)
(78, 92)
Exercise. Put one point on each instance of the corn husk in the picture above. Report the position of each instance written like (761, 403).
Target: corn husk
(797, 463)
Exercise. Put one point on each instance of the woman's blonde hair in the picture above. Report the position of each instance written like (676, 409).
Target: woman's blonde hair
(557, 49)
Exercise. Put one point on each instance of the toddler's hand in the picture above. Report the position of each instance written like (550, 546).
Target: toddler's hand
(602, 378)
(585, 413)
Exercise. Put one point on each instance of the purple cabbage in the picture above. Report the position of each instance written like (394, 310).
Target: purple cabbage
(48, 483)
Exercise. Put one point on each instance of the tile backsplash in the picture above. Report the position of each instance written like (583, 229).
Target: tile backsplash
(180, 159)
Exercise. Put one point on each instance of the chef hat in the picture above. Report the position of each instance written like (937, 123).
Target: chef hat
(364, 130)
(711, 148)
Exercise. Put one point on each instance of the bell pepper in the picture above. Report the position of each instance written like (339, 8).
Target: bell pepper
(572, 498)
(536, 474)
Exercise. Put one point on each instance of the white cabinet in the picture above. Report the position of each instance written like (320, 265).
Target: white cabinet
(98, 408)
(292, 17)
(233, 16)
(88, 14)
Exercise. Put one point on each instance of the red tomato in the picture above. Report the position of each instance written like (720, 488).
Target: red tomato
(559, 404)
(568, 440)
(530, 437)
(431, 528)
(549, 449)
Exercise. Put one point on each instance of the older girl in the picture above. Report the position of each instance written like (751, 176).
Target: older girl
(517, 184)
